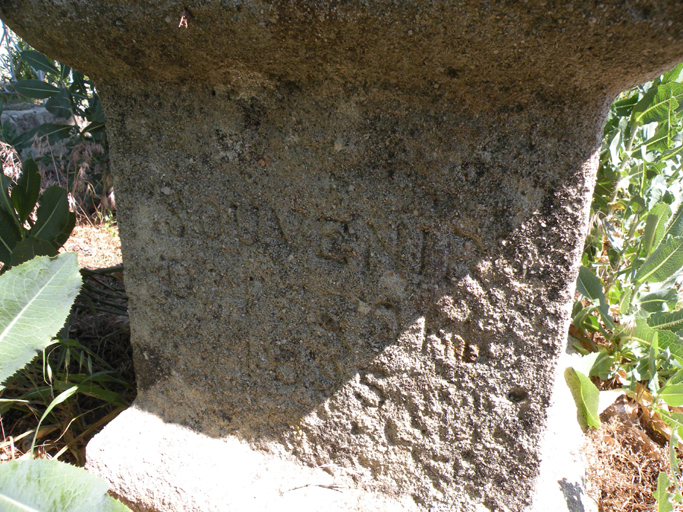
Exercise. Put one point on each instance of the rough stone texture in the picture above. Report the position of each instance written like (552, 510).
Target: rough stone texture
(351, 229)
(202, 474)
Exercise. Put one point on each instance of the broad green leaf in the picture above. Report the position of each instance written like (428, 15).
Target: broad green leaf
(66, 232)
(643, 333)
(36, 298)
(662, 495)
(586, 396)
(657, 103)
(581, 316)
(623, 108)
(36, 89)
(78, 84)
(93, 128)
(602, 367)
(5, 201)
(654, 302)
(39, 62)
(25, 193)
(29, 248)
(672, 395)
(668, 155)
(652, 356)
(96, 113)
(675, 226)
(52, 215)
(674, 75)
(625, 302)
(64, 71)
(60, 105)
(663, 263)
(667, 321)
(53, 132)
(43, 485)
(590, 286)
(655, 225)
(9, 237)
(661, 140)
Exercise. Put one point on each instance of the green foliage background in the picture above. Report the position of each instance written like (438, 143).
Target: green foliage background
(628, 319)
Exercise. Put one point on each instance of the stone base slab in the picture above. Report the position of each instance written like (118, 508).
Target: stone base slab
(160, 467)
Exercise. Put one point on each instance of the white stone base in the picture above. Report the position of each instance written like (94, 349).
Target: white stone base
(161, 467)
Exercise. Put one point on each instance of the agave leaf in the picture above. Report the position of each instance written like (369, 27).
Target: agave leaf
(40, 485)
(60, 105)
(36, 298)
(39, 62)
(36, 89)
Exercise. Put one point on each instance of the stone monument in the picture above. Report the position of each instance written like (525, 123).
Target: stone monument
(351, 231)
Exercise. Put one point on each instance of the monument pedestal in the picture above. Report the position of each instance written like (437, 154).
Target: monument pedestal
(351, 230)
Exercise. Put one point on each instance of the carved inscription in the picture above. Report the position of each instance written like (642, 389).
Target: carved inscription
(371, 257)
(449, 349)
(336, 244)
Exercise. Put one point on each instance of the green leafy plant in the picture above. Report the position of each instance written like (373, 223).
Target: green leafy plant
(68, 93)
(12, 67)
(73, 154)
(36, 298)
(22, 237)
(42, 485)
(628, 315)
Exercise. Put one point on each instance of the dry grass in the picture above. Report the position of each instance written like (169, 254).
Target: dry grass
(97, 245)
(624, 461)
(65, 433)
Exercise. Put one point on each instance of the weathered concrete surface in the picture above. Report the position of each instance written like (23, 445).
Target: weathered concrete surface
(351, 229)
